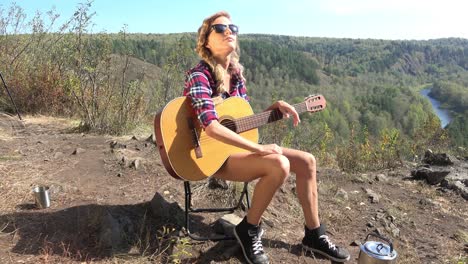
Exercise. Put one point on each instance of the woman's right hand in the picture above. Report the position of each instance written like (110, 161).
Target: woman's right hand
(269, 149)
(227, 136)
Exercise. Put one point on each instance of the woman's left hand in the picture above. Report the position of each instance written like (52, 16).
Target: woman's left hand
(287, 110)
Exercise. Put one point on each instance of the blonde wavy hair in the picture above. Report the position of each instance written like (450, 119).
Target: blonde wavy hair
(205, 53)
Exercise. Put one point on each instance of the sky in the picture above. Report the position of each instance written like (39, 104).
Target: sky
(357, 19)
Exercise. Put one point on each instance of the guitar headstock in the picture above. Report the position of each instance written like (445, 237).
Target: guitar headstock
(315, 103)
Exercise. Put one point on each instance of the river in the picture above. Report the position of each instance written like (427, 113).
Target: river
(443, 114)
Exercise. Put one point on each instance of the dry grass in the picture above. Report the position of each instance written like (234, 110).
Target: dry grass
(461, 236)
(9, 126)
(50, 121)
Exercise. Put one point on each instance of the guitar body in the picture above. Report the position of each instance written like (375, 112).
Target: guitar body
(182, 156)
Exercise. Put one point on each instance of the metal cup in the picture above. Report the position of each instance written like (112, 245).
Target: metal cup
(41, 196)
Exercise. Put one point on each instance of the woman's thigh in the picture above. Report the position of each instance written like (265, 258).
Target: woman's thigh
(245, 167)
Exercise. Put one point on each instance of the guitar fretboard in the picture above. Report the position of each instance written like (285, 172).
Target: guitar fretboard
(250, 122)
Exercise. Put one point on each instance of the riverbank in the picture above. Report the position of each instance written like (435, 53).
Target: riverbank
(442, 114)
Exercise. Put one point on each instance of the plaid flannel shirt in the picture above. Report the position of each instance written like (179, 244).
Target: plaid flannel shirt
(200, 86)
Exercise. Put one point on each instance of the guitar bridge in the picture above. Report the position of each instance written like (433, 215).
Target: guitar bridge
(195, 139)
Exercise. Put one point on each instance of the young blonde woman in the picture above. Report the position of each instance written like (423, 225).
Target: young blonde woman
(220, 74)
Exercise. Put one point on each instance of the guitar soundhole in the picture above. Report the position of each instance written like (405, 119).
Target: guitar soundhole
(229, 123)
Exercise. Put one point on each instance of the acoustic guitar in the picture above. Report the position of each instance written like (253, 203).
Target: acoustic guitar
(189, 154)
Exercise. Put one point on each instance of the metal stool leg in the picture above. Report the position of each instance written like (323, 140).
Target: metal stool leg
(189, 209)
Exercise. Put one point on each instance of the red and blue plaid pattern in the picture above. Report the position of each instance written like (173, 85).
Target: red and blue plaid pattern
(200, 86)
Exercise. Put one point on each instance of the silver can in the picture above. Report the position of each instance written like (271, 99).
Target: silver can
(41, 196)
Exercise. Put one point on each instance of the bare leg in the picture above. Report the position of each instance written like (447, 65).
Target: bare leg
(303, 164)
(271, 170)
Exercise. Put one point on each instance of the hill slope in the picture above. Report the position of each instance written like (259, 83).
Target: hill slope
(101, 209)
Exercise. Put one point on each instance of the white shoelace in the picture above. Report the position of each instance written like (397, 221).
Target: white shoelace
(257, 241)
(330, 244)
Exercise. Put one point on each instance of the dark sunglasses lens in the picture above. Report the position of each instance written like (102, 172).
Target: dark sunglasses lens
(219, 28)
(234, 29)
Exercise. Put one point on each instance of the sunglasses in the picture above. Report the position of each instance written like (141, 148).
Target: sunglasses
(221, 28)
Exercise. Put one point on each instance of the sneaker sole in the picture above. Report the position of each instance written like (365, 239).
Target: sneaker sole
(325, 254)
(242, 246)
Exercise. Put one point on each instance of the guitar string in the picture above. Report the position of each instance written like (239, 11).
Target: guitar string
(230, 124)
(243, 122)
(252, 122)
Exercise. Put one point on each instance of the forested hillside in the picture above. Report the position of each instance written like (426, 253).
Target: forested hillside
(371, 84)
(375, 115)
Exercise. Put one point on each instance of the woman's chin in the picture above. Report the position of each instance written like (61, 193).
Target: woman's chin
(231, 47)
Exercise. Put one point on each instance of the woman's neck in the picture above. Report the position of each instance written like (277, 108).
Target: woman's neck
(223, 61)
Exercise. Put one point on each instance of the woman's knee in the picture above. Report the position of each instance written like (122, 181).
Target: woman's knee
(279, 168)
(310, 161)
(306, 167)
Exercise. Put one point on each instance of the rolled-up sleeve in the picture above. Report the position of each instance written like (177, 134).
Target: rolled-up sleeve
(198, 88)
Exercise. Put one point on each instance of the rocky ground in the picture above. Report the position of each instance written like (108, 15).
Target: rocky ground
(113, 202)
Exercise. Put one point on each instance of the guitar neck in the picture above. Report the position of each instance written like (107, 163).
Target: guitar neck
(254, 121)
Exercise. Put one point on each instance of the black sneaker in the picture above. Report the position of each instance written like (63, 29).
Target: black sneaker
(250, 239)
(316, 241)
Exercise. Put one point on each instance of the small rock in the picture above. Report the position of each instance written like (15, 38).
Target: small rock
(426, 201)
(342, 194)
(78, 151)
(360, 179)
(215, 183)
(123, 162)
(379, 215)
(55, 189)
(226, 224)
(441, 159)
(394, 230)
(136, 164)
(379, 231)
(381, 178)
(268, 222)
(150, 139)
(58, 155)
(372, 195)
(114, 144)
(134, 138)
(162, 209)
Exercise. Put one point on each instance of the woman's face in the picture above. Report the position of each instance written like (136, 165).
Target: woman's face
(223, 43)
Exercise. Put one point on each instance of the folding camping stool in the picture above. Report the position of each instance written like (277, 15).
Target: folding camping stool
(189, 210)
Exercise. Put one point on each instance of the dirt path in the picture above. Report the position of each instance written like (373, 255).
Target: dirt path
(100, 206)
